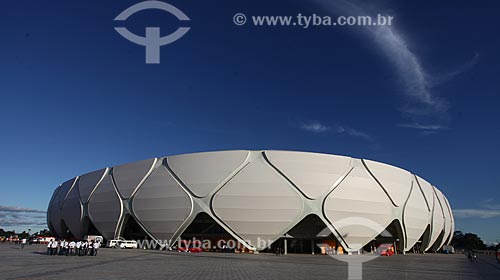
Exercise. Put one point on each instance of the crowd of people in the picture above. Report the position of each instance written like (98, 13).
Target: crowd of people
(73, 248)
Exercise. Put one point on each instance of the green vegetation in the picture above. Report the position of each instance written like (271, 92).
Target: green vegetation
(468, 241)
(24, 234)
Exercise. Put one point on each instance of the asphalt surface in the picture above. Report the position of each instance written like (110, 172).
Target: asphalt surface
(33, 263)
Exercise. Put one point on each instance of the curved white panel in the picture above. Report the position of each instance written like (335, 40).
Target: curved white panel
(87, 183)
(72, 212)
(54, 195)
(437, 222)
(57, 204)
(55, 221)
(161, 205)
(447, 217)
(128, 176)
(416, 217)
(257, 195)
(452, 220)
(314, 174)
(105, 208)
(258, 203)
(210, 169)
(63, 192)
(51, 213)
(396, 181)
(358, 208)
(428, 191)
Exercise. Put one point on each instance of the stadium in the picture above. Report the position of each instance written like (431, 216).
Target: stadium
(294, 200)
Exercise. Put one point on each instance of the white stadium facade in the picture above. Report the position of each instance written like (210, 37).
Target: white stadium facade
(292, 199)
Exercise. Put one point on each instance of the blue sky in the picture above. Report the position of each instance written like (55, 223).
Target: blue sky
(422, 94)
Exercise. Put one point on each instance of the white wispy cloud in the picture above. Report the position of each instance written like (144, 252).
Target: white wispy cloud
(490, 203)
(423, 126)
(19, 209)
(394, 47)
(19, 223)
(314, 126)
(318, 127)
(14, 216)
(407, 65)
(489, 208)
(353, 132)
(445, 77)
(425, 129)
(420, 102)
(476, 213)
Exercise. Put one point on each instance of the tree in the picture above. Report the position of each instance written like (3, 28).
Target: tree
(45, 233)
(6, 233)
(24, 234)
(468, 241)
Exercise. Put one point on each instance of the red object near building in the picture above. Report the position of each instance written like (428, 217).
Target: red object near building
(386, 250)
(190, 246)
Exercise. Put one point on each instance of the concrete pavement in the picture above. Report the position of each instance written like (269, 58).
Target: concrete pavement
(32, 263)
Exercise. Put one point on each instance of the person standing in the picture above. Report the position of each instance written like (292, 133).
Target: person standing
(78, 247)
(96, 246)
(85, 247)
(23, 243)
(498, 256)
(54, 247)
(61, 247)
(72, 245)
(49, 248)
(66, 247)
(91, 247)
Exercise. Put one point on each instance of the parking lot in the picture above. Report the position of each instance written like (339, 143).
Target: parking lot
(33, 263)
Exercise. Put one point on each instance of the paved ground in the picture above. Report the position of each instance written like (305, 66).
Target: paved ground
(32, 263)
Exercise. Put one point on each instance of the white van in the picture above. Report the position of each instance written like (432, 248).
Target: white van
(114, 243)
(123, 244)
(128, 244)
(97, 238)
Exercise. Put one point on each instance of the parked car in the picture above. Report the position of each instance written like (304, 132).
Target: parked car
(189, 247)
